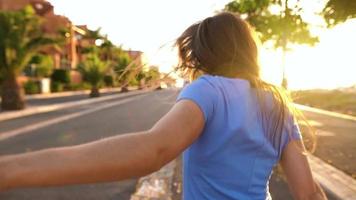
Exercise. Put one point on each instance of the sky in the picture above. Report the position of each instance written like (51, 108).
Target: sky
(138, 24)
(152, 26)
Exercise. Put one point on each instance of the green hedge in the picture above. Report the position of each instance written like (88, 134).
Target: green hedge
(56, 86)
(109, 80)
(31, 87)
(61, 76)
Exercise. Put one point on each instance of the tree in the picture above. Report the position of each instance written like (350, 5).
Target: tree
(94, 34)
(107, 50)
(20, 38)
(118, 61)
(282, 28)
(121, 68)
(40, 66)
(338, 11)
(93, 71)
(153, 76)
(141, 79)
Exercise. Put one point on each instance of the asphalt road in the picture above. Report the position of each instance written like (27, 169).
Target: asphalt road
(136, 115)
(336, 141)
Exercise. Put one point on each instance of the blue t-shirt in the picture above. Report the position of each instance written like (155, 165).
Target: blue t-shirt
(233, 157)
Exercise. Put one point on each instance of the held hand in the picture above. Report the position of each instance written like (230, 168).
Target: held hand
(3, 188)
(2, 178)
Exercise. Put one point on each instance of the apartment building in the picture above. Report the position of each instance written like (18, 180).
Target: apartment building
(67, 56)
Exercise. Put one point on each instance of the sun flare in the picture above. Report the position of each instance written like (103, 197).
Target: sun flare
(329, 64)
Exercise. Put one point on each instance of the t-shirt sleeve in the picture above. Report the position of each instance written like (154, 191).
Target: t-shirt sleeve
(295, 133)
(291, 131)
(202, 94)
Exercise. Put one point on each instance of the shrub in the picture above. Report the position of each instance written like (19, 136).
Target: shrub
(61, 76)
(31, 87)
(78, 86)
(109, 80)
(56, 86)
(43, 65)
(133, 82)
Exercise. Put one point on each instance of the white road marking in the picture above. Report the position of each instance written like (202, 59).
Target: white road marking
(324, 133)
(312, 123)
(326, 112)
(48, 108)
(32, 127)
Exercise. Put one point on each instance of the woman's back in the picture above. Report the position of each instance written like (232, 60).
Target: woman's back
(233, 157)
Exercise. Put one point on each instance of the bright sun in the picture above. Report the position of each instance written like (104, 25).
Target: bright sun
(329, 64)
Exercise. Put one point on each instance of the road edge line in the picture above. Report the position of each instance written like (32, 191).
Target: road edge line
(325, 112)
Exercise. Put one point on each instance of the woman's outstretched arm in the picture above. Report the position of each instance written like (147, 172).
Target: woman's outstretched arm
(299, 176)
(111, 159)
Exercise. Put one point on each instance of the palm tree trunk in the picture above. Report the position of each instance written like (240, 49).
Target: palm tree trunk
(94, 92)
(13, 95)
(284, 48)
(284, 78)
(141, 84)
(124, 87)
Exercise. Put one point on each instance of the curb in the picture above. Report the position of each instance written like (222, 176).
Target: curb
(43, 109)
(336, 182)
(156, 186)
(164, 184)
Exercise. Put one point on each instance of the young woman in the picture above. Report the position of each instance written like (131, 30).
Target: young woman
(233, 126)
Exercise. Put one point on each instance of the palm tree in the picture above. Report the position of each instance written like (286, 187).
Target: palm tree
(121, 68)
(20, 39)
(93, 71)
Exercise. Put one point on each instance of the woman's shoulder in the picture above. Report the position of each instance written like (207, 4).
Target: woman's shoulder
(203, 84)
(202, 92)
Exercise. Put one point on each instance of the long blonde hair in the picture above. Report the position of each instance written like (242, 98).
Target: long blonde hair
(224, 45)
